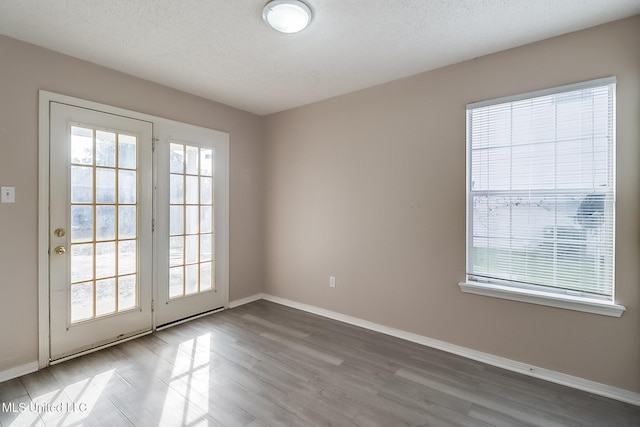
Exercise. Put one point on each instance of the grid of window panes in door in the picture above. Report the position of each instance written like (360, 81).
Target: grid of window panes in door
(191, 268)
(103, 231)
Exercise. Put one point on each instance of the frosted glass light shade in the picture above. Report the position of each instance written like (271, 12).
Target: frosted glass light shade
(287, 16)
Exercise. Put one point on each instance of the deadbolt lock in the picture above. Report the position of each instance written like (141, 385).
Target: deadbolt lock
(60, 232)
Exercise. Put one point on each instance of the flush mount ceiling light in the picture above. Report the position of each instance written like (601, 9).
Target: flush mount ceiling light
(287, 16)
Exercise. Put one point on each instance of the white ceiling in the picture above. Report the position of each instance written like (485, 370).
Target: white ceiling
(222, 50)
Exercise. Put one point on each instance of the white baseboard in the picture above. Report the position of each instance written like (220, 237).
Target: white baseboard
(18, 371)
(246, 300)
(500, 362)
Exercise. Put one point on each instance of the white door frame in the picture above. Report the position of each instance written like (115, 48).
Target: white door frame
(45, 99)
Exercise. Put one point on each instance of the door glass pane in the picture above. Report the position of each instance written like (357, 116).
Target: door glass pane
(127, 222)
(81, 184)
(105, 149)
(103, 252)
(205, 276)
(206, 220)
(205, 247)
(81, 145)
(176, 162)
(105, 185)
(105, 259)
(190, 220)
(176, 220)
(205, 191)
(176, 251)
(81, 301)
(176, 189)
(127, 151)
(192, 192)
(206, 162)
(127, 292)
(192, 249)
(176, 282)
(127, 187)
(191, 282)
(81, 262)
(105, 296)
(192, 160)
(105, 222)
(81, 224)
(127, 257)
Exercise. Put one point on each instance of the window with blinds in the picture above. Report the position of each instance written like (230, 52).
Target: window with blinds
(541, 190)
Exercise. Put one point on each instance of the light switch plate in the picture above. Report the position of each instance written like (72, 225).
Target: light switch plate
(7, 194)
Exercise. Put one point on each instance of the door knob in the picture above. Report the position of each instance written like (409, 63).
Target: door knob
(60, 250)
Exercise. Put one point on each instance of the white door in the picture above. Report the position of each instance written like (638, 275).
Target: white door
(100, 242)
(191, 221)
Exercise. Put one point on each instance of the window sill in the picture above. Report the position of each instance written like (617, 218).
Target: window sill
(568, 302)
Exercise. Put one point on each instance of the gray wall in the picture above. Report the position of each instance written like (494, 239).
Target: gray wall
(370, 187)
(26, 69)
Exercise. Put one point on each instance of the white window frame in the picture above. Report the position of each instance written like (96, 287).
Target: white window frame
(535, 295)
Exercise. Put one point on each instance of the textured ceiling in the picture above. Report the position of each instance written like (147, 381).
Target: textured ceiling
(222, 50)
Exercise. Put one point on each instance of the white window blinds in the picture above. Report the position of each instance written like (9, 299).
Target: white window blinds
(541, 190)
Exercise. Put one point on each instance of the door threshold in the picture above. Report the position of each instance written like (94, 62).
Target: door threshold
(132, 337)
(188, 318)
(99, 347)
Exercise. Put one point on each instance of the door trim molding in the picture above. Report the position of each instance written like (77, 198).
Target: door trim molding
(43, 229)
(45, 98)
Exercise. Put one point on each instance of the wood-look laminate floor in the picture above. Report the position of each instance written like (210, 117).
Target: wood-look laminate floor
(266, 364)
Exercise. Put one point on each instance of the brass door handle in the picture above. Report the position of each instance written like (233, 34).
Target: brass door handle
(60, 232)
(60, 250)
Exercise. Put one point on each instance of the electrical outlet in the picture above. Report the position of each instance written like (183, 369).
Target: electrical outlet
(332, 281)
(8, 194)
